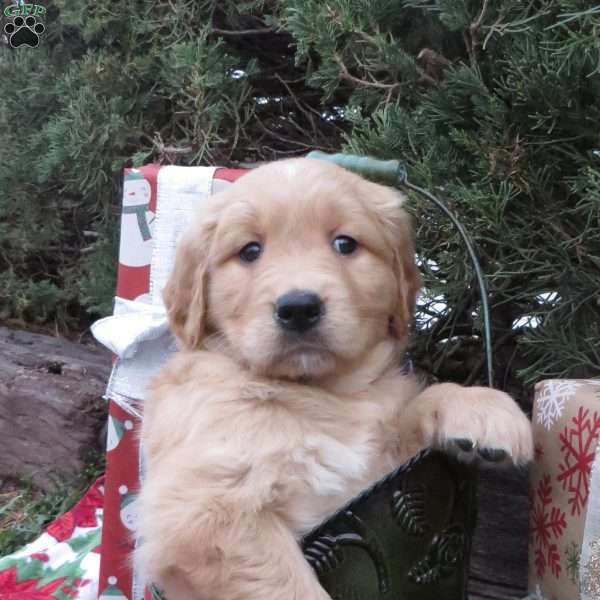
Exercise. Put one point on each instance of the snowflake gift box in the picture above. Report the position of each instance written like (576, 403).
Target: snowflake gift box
(564, 533)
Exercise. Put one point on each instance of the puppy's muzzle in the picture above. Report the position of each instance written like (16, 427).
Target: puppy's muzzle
(298, 310)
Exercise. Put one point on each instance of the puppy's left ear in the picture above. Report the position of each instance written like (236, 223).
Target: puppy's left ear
(398, 229)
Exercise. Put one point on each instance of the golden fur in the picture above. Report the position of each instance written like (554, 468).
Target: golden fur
(253, 437)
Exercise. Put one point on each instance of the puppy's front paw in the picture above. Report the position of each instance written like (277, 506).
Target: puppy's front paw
(477, 423)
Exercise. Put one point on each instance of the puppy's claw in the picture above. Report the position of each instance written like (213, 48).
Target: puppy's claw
(494, 455)
(464, 444)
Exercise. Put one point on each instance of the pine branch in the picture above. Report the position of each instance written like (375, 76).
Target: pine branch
(346, 75)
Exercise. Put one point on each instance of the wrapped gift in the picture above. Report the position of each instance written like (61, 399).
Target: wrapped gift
(158, 203)
(564, 536)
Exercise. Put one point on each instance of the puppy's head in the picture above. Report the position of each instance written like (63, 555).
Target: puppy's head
(298, 269)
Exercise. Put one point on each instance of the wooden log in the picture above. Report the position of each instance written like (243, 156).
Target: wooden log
(498, 569)
(51, 406)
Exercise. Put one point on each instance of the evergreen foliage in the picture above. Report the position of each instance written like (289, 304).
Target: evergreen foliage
(493, 105)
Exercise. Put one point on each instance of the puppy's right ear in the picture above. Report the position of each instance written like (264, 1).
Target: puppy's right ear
(186, 291)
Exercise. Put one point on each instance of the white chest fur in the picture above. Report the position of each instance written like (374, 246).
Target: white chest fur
(329, 473)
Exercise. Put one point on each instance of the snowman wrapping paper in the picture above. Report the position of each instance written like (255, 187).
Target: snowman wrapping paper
(137, 219)
(157, 202)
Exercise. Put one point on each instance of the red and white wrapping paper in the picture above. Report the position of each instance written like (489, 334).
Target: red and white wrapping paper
(63, 562)
(158, 203)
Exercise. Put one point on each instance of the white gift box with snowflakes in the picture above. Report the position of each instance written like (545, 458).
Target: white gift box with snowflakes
(564, 536)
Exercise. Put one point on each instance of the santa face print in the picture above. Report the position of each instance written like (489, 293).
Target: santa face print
(136, 222)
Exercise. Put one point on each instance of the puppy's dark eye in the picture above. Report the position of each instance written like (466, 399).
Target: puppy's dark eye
(250, 252)
(345, 244)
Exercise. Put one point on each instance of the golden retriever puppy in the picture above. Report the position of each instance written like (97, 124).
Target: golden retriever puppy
(291, 297)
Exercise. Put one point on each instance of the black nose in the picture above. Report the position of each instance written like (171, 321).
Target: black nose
(298, 310)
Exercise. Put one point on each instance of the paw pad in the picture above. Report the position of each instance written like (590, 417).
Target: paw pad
(469, 447)
(24, 32)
